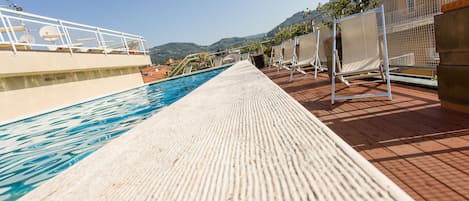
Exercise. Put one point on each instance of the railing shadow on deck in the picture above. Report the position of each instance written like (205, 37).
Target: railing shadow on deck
(415, 142)
(409, 118)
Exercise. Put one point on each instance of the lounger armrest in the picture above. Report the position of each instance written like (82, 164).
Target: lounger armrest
(15, 29)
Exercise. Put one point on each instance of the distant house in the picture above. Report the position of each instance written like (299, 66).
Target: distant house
(170, 62)
(154, 73)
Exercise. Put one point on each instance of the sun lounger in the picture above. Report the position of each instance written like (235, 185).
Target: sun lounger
(8, 46)
(64, 48)
(115, 51)
(276, 55)
(95, 50)
(15, 29)
(307, 58)
(288, 47)
(324, 34)
(362, 55)
(22, 42)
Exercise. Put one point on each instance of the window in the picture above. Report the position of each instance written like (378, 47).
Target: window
(411, 5)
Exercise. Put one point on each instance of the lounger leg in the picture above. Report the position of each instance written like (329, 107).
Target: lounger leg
(291, 74)
(333, 89)
(315, 72)
(386, 56)
(388, 82)
(334, 52)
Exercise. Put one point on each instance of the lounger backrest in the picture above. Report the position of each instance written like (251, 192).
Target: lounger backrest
(360, 43)
(277, 52)
(325, 35)
(307, 47)
(288, 47)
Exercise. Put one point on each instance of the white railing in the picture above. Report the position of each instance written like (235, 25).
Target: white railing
(411, 30)
(403, 60)
(25, 31)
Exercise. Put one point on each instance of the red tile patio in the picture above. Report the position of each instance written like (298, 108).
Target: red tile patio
(411, 139)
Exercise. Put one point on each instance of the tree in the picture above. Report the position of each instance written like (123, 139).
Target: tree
(341, 8)
(254, 46)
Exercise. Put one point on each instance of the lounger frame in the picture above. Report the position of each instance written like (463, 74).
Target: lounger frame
(384, 67)
(282, 63)
(315, 64)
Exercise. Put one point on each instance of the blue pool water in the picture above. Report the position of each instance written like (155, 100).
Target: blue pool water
(35, 149)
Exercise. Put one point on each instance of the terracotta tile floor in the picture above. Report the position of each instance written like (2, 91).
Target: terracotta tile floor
(411, 139)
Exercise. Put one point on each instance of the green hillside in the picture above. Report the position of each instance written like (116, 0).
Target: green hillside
(160, 54)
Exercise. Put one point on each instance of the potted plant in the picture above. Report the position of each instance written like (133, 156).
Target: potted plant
(452, 45)
(256, 48)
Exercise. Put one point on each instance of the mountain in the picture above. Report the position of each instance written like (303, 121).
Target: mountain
(297, 18)
(255, 37)
(227, 43)
(160, 54)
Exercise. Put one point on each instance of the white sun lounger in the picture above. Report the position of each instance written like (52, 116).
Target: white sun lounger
(18, 45)
(307, 57)
(275, 56)
(324, 34)
(19, 28)
(288, 47)
(362, 55)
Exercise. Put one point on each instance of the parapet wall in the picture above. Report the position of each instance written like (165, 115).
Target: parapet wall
(32, 82)
(29, 62)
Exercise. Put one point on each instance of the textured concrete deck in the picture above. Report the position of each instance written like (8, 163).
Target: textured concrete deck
(237, 137)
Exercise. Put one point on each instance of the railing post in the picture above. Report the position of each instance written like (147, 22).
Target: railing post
(61, 39)
(8, 33)
(67, 36)
(63, 30)
(101, 38)
(1, 35)
(125, 44)
(12, 32)
(143, 46)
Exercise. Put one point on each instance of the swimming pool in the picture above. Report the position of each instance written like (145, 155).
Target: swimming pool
(37, 148)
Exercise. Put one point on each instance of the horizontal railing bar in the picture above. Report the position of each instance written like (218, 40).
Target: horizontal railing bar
(29, 20)
(104, 33)
(416, 67)
(115, 39)
(65, 46)
(56, 20)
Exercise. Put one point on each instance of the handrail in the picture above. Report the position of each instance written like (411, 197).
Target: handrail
(104, 38)
(55, 19)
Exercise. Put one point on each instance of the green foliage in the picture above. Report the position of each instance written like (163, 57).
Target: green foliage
(341, 8)
(176, 51)
(226, 43)
(297, 18)
(160, 54)
(254, 47)
(293, 31)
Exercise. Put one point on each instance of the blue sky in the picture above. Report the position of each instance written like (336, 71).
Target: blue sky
(163, 21)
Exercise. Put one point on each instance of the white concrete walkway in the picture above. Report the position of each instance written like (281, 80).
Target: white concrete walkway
(237, 137)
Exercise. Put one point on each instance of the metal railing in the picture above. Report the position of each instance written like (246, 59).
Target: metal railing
(25, 31)
(410, 31)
